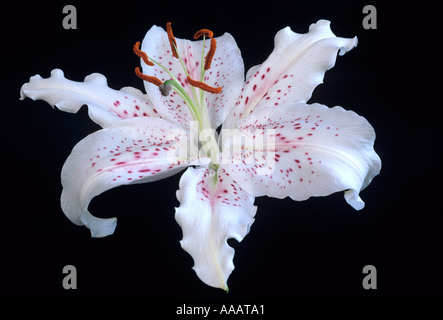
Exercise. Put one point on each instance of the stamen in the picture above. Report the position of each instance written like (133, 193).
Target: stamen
(210, 55)
(172, 41)
(141, 54)
(149, 79)
(206, 32)
(204, 86)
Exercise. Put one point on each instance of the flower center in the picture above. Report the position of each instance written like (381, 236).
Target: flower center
(195, 101)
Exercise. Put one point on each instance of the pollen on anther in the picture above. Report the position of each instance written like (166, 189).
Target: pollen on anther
(207, 33)
(203, 86)
(150, 79)
(142, 54)
(210, 55)
(172, 41)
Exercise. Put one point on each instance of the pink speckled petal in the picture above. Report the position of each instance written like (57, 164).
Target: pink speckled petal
(209, 214)
(135, 150)
(227, 72)
(106, 105)
(292, 71)
(318, 151)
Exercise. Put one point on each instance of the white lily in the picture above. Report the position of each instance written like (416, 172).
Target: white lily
(272, 142)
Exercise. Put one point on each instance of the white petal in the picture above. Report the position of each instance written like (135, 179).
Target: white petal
(292, 71)
(134, 150)
(99, 227)
(211, 212)
(227, 72)
(316, 151)
(106, 106)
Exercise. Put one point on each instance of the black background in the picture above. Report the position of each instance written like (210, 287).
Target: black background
(295, 250)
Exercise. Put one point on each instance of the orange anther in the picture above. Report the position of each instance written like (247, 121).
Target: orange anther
(206, 32)
(204, 86)
(141, 54)
(210, 55)
(172, 41)
(149, 79)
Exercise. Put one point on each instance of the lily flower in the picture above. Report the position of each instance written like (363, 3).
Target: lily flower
(272, 143)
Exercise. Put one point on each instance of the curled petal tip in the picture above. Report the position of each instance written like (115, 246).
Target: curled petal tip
(354, 200)
(99, 227)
